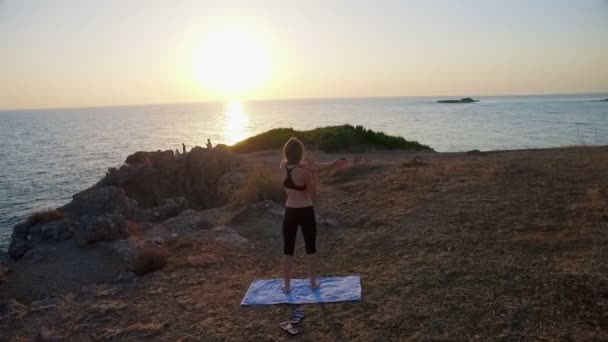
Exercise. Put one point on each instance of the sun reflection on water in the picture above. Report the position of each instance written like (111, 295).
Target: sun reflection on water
(236, 122)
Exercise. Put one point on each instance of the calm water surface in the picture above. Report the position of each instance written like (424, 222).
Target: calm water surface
(48, 155)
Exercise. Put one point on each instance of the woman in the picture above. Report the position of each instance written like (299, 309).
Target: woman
(300, 186)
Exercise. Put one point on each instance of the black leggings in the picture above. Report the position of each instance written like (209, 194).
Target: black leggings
(304, 217)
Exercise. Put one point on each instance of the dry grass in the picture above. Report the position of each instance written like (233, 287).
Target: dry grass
(45, 216)
(262, 183)
(591, 210)
(462, 248)
(595, 202)
(477, 247)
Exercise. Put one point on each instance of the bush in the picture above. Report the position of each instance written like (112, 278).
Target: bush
(150, 259)
(262, 183)
(344, 138)
(45, 216)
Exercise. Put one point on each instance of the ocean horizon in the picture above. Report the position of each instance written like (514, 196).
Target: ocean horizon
(590, 96)
(51, 154)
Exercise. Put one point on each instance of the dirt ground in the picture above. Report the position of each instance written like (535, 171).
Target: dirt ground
(482, 246)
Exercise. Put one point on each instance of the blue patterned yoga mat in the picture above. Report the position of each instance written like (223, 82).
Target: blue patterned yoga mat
(332, 289)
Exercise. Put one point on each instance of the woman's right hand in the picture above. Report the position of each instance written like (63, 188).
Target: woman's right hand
(340, 163)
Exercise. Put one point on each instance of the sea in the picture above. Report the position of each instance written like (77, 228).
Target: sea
(47, 155)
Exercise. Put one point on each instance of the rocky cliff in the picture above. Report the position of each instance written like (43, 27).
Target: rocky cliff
(118, 227)
(196, 179)
(149, 188)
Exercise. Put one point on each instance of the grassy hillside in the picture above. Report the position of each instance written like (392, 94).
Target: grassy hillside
(344, 138)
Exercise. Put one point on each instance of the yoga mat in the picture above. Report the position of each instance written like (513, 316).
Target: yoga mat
(332, 289)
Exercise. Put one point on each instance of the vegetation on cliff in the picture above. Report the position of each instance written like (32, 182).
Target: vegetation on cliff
(343, 138)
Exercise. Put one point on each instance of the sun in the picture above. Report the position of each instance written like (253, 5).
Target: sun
(232, 62)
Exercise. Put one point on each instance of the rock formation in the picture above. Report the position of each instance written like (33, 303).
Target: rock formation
(150, 187)
(108, 227)
(151, 178)
(463, 100)
(120, 227)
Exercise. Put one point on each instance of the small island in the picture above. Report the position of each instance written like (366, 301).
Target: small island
(463, 100)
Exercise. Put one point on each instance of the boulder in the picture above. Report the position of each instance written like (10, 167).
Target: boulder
(153, 158)
(99, 200)
(19, 244)
(169, 208)
(40, 253)
(108, 227)
(125, 277)
(172, 207)
(127, 249)
(228, 235)
(33, 242)
(189, 220)
(54, 231)
(25, 236)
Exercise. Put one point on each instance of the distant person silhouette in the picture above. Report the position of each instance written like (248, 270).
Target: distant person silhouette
(176, 152)
(184, 148)
(209, 145)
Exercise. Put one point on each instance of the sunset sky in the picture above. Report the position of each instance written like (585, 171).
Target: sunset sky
(61, 53)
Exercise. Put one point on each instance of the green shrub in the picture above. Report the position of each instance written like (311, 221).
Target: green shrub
(344, 138)
(262, 183)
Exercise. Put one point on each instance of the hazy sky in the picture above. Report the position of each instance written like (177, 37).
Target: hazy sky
(60, 53)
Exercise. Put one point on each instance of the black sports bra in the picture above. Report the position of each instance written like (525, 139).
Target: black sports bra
(288, 181)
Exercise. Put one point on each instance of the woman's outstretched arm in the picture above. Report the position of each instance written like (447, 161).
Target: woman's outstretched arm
(336, 164)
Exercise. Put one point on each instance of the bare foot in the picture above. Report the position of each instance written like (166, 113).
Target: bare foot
(286, 288)
(314, 285)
